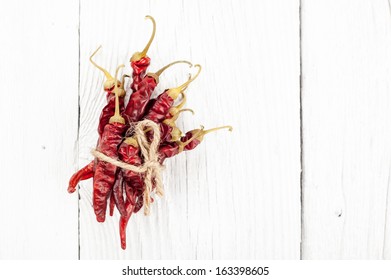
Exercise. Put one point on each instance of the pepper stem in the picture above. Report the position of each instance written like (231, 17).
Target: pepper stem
(139, 55)
(171, 121)
(176, 134)
(204, 132)
(217, 128)
(117, 116)
(123, 80)
(160, 71)
(174, 110)
(174, 92)
(107, 74)
(121, 88)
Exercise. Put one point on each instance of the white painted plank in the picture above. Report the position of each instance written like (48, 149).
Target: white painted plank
(346, 120)
(237, 196)
(39, 117)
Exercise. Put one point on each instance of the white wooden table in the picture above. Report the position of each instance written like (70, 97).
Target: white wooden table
(305, 84)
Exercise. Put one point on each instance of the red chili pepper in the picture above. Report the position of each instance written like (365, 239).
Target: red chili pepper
(139, 68)
(128, 152)
(188, 142)
(168, 130)
(108, 86)
(166, 99)
(175, 109)
(83, 174)
(138, 101)
(123, 222)
(105, 173)
(133, 183)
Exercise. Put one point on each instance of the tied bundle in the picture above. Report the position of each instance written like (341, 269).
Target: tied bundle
(136, 138)
(151, 168)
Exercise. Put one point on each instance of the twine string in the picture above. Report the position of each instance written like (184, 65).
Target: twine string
(151, 166)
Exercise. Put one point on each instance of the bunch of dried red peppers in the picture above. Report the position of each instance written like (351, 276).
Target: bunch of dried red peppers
(124, 188)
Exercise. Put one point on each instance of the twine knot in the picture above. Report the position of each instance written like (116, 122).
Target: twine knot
(151, 166)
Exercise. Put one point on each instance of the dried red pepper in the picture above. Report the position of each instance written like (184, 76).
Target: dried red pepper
(139, 99)
(105, 173)
(108, 86)
(120, 187)
(83, 174)
(188, 142)
(165, 100)
(168, 129)
(87, 172)
(133, 184)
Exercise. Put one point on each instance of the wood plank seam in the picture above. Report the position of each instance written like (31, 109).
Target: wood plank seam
(78, 134)
(301, 132)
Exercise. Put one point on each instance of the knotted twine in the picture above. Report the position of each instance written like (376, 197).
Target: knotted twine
(151, 167)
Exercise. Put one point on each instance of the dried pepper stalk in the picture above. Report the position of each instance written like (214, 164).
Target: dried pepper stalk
(140, 61)
(165, 100)
(114, 182)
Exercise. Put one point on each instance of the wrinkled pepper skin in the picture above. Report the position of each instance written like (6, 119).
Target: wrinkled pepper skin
(133, 184)
(167, 150)
(150, 104)
(123, 222)
(118, 193)
(165, 132)
(139, 68)
(83, 174)
(160, 108)
(105, 172)
(112, 204)
(108, 111)
(139, 99)
(193, 144)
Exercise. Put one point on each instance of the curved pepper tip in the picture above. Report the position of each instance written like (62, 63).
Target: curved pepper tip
(71, 189)
(139, 55)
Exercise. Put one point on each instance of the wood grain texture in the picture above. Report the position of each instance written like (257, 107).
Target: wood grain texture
(237, 196)
(346, 123)
(39, 118)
